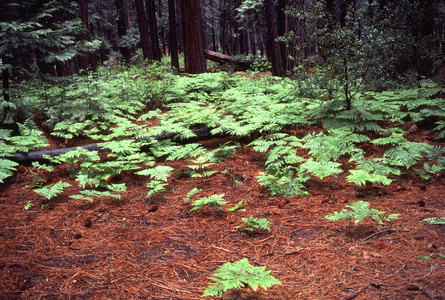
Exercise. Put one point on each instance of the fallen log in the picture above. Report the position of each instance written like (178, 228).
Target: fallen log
(24, 158)
(240, 65)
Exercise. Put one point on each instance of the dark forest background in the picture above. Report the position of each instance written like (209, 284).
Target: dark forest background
(382, 39)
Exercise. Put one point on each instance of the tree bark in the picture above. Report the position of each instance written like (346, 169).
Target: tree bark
(154, 37)
(38, 155)
(5, 78)
(86, 60)
(240, 65)
(273, 48)
(122, 26)
(173, 40)
(143, 30)
(193, 38)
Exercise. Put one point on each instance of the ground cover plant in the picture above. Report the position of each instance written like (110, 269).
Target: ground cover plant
(178, 169)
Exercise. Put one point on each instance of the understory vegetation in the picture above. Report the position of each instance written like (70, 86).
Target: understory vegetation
(143, 119)
(127, 112)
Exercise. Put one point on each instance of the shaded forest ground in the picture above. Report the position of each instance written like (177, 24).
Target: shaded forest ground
(129, 249)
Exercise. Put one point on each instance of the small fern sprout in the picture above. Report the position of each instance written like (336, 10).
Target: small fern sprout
(238, 275)
(215, 201)
(251, 224)
(360, 210)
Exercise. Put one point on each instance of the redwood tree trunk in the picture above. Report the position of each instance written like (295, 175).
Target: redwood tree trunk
(88, 59)
(154, 37)
(193, 38)
(143, 30)
(122, 26)
(273, 48)
(173, 41)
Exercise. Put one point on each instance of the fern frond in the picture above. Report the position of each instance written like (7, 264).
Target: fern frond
(239, 275)
(51, 191)
(322, 169)
(159, 172)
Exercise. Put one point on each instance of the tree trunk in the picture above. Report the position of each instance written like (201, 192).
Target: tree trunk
(143, 30)
(193, 38)
(180, 31)
(273, 49)
(154, 38)
(173, 40)
(86, 60)
(122, 26)
(5, 75)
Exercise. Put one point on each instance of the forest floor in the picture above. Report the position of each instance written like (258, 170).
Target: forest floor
(130, 248)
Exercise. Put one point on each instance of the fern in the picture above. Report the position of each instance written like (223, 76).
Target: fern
(238, 206)
(283, 183)
(435, 220)
(191, 193)
(237, 275)
(30, 137)
(159, 172)
(89, 195)
(373, 170)
(215, 201)
(51, 191)
(155, 187)
(6, 168)
(360, 210)
(197, 169)
(338, 142)
(322, 169)
(223, 152)
(251, 223)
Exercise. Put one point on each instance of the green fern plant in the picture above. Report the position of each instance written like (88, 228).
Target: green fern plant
(435, 220)
(155, 187)
(198, 168)
(7, 168)
(53, 190)
(360, 210)
(214, 201)
(190, 194)
(238, 206)
(238, 275)
(251, 223)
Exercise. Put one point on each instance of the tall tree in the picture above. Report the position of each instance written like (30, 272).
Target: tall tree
(193, 37)
(273, 48)
(87, 59)
(154, 38)
(123, 26)
(143, 30)
(173, 40)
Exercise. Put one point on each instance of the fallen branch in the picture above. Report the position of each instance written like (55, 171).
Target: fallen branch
(38, 155)
(383, 231)
(240, 65)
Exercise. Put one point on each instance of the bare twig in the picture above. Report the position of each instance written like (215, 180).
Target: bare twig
(383, 231)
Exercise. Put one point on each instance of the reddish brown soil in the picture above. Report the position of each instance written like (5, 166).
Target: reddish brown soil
(128, 249)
